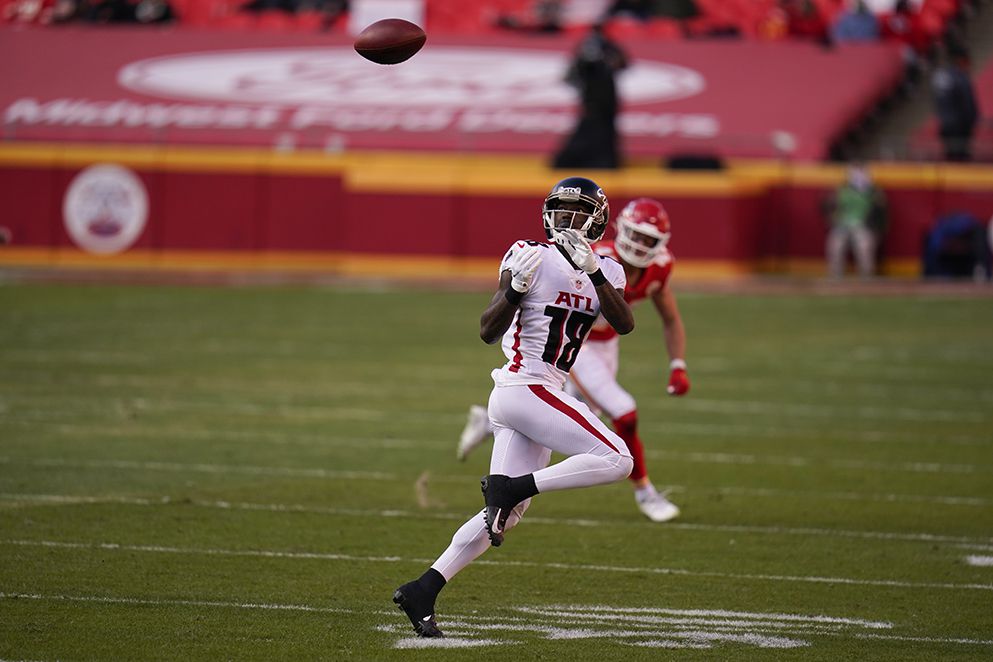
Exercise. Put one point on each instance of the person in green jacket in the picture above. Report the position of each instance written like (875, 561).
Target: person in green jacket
(856, 213)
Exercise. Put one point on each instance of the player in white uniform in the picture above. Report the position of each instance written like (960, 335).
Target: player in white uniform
(548, 299)
(643, 231)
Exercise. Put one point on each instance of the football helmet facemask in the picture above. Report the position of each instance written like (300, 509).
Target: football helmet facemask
(576, 202)
(643, 230)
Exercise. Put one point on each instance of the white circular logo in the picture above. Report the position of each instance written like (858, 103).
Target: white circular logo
(447, 77)
(105, 209)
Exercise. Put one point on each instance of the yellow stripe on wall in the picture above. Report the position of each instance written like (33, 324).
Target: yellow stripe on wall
(414, 267)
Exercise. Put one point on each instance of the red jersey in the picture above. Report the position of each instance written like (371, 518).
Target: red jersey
(653, 278)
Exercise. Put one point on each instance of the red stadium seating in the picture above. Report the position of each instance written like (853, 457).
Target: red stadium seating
(275, 20)
(752, 19)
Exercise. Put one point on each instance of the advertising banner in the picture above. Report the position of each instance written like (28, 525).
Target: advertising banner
(506, 94)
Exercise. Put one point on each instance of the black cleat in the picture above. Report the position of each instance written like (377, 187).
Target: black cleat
(499, 503)
(414, 601)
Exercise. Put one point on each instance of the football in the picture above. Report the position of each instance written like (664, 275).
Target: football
(390, 41)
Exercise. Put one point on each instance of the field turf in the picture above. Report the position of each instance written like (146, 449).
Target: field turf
(206, 473)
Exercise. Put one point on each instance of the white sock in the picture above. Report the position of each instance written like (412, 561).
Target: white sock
(470, 541)
(644, 493)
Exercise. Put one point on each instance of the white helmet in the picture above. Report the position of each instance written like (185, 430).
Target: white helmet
(643, 230)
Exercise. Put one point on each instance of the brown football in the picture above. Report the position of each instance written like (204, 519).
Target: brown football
(390, 41)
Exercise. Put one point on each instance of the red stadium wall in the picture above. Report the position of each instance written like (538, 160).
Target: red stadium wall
(443, 214)
(916, 197)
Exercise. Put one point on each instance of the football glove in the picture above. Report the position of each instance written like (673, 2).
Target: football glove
(578, 249)
(522, 265)
(679, 381)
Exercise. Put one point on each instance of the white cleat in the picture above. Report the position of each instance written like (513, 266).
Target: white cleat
(475, 432)
(657, 508)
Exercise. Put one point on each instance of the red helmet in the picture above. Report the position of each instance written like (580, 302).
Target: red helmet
(642, 231)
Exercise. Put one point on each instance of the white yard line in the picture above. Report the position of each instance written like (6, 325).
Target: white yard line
(981, 543)
(420, 643)
(304, 412)
(978, 548)
(183, 603)
(702, 628)
(720, 458)
(980, 561)
(660, 430)
(927, 640)
(794, 461)
(571, 567)
(71, 406)
(862, 390)
(705, 458)
(764, 630)
(850, 496)
(242, 469)
(783, 410)
(664, 430)
(593, 610)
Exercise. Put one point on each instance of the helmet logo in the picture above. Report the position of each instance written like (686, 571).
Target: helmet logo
(572, 190)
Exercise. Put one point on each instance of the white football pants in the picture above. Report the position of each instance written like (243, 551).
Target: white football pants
(529, 422)
(593, 378)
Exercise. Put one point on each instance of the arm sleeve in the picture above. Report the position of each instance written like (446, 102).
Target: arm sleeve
(614, 273)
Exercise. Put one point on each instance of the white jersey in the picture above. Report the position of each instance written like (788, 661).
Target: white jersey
(554, 318)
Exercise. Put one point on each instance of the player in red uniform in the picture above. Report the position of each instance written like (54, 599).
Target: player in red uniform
(643, 231)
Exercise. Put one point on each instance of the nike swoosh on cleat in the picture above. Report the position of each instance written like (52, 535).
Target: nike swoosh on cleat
(495, 526)
(427, 618)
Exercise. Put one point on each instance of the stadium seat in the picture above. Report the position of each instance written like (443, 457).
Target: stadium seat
(624, 29)
(309, 21)
(7, 10)
(275, 20)
(236, 21)
(664, 28)
(197, 13)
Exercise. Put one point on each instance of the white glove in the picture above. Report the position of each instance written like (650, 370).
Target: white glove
(522, 267)
(578, 249)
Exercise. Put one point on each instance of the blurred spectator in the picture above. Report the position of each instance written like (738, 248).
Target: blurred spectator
(774, 25)
(154, 11)
(66, 11)
(112, 11)
(641, 10)
(955, 104)
(108, 11)
(593, 142)
(27, 11)
(905, 25)
(330, 10)
(957, 247)
(856, 215)
(678, 9)
(266, 5)
(856, 24)
(545, 16)
(804, 20)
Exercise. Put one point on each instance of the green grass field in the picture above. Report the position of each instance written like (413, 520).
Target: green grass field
(247, 473)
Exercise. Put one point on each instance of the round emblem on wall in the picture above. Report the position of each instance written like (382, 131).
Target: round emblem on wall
(105, 209)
